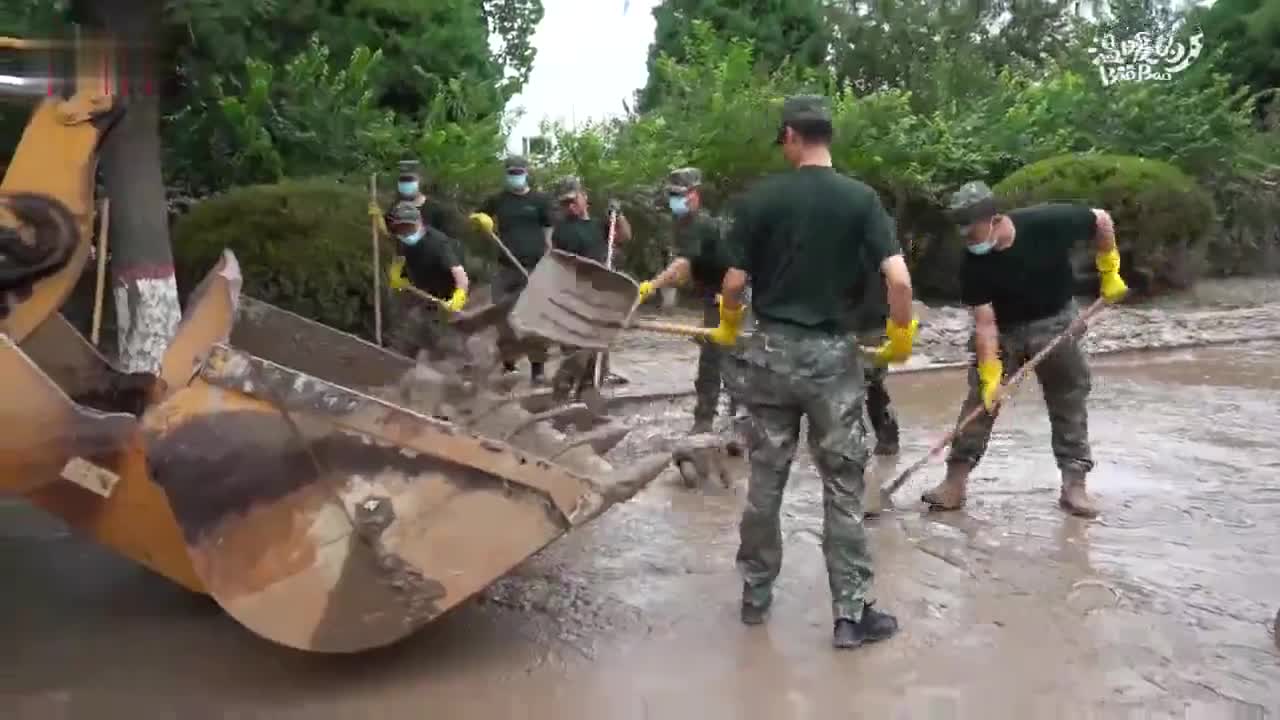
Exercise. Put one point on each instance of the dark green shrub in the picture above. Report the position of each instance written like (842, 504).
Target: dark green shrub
(301, 245)
(1162, 217)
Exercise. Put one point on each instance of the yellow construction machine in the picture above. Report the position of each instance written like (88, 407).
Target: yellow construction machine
(330, 495)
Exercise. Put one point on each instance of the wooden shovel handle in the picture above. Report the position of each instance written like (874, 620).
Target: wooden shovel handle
(671, 328)
(426, 296)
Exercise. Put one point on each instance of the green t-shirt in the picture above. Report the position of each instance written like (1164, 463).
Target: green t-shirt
(1033, 278)
(588, 238)
(520, 222)
(700, 240)
(429, 263)
(809, 238)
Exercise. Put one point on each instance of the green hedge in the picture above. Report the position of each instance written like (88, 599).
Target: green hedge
(301, 245)
(1162, 217)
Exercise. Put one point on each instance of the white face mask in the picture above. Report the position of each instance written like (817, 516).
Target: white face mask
(412, 239)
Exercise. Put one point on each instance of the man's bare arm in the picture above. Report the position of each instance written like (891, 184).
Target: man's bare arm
(986, 333)
(676, 274)
(1105, 234)
(460, 279)
(898, 279)
(622, 231)
(732, 287)
(546, 236)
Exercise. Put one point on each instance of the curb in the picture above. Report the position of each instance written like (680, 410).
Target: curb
(639, 397)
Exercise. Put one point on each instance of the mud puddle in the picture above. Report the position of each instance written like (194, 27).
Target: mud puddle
(1160, 608)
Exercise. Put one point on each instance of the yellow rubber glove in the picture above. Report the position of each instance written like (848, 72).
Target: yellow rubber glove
(726, 333)
(898, 347)
(482, 222)
(1112, 287)
(395, 275)
(989, 374)
(646, 289)
(375, 212)
(457, 300)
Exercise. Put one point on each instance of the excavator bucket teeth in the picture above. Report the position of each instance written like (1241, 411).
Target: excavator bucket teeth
(328, 520)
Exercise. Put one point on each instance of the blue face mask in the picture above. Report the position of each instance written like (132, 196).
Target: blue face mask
(985, 246)
(412, 239)
(981, 248)
(408, 188)
(679, 204)
(517, 182)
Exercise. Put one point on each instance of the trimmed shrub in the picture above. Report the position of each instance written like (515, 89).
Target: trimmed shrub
(1162, 217)
(301, 245)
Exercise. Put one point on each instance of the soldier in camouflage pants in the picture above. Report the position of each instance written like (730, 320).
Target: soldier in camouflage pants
(1064, 378)
(781, 373)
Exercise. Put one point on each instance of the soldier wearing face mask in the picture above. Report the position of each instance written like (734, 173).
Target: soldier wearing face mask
(425, 258)
(435, 213)
(1017, 278)
(522, 218)
(700, 258)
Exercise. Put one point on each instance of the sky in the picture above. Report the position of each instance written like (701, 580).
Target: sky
(591, 57)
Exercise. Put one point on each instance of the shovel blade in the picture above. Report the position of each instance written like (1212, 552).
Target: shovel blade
(575, 301)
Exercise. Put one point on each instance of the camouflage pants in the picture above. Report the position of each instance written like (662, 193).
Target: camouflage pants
(418, 325)
(706, 386)
(1064, 380)
(782, 374)
(884, 421)
(508, 282)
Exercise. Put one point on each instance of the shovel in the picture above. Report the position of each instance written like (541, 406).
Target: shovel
(573, 300)
(592, 396)
(1006, 390)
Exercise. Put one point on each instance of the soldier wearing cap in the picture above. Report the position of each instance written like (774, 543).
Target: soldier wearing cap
(435, 213)
(581, 233)
(433, 265)
(700, 257)
(808, 239)
(1017, 278)
(524, 222)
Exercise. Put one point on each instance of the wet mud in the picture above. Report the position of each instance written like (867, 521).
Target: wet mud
(1162, 607)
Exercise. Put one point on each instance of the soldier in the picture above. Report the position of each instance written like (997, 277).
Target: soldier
(435, 213)
(1017, 278)
(868, 322)
(580, 233)
(433, 266)
(524, 224)
(700, 257)
(808, 238)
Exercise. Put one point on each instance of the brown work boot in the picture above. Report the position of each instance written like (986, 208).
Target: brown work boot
(950, 493)
(1074, 499)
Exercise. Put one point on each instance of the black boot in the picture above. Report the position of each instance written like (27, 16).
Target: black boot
(536, 374)
(508, 367)
(873, 626)
(754, 614)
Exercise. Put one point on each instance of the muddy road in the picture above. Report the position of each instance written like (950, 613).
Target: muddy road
(1010, 609)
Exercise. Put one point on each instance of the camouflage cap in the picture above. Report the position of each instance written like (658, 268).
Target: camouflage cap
(972, 202)
(516, 162)
(409, 169)
(684, 180)
(799, 108)
(404, 213)
(568, 186)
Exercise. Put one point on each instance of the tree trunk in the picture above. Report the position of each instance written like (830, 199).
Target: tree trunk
(142, 277)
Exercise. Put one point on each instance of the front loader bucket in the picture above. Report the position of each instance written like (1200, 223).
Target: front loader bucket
(320, 517)
(328, 520)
